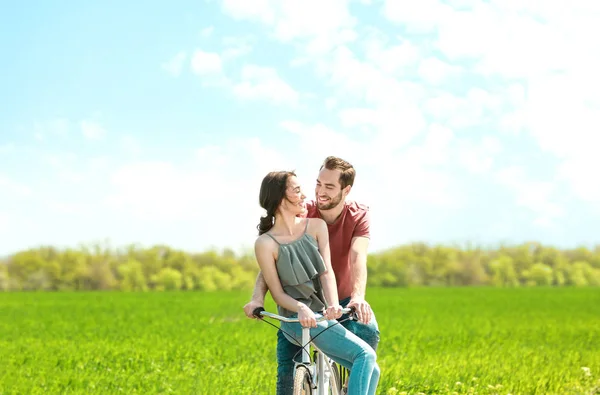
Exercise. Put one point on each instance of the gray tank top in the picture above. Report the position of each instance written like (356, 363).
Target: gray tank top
(299, 265)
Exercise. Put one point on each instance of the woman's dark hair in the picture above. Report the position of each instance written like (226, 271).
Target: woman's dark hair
(272, 192)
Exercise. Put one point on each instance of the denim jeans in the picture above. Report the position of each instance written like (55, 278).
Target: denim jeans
(286, 350)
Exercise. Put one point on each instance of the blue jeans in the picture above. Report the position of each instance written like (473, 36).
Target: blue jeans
(369, 333)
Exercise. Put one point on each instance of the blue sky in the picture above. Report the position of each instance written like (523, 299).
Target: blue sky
(467, 121)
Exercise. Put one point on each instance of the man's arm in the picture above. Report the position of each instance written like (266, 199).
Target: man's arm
(358, 268)
(258, 296)
(358, 265)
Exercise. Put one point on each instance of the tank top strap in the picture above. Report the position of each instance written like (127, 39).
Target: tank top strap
(271, 236)
(305, 228)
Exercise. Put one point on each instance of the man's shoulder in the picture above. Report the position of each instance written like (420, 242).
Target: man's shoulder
(356, 209)
(353, 209)
(311, 209)
(358, 219)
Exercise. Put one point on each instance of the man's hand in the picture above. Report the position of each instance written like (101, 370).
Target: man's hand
(333, 312)
(250, 306)
(363, 310)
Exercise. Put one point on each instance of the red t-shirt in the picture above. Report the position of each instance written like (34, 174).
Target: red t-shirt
(354, 221)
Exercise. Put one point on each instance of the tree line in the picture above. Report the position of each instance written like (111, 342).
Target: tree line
(132, 268)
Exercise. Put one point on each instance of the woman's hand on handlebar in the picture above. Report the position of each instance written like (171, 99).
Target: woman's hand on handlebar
(307, 317)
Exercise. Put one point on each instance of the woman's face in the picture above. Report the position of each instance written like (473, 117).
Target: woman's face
(294, 198)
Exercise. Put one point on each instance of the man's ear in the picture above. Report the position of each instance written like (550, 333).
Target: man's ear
(347, 189)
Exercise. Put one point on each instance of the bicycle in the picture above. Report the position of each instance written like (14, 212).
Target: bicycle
(319, 375)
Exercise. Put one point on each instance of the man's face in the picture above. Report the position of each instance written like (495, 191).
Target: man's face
(328, 191)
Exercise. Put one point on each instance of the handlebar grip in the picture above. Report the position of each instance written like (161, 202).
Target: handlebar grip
(256, 312)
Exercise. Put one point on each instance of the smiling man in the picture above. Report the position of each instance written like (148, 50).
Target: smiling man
(348, 223)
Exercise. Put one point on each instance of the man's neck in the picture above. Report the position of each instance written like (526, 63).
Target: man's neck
(330, 216)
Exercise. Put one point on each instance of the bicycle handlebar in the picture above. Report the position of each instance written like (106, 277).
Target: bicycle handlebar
(259, 311)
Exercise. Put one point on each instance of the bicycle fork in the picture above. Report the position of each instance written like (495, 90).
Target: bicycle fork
(320, 378)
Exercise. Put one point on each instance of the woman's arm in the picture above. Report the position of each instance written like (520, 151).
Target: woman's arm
(328, 277)
(264, 256)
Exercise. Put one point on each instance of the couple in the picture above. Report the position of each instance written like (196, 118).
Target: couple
(313, 258)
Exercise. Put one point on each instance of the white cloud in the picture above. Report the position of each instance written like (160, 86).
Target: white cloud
(4, 223)
(370, 95)
(434, 71)
(131, 145)
(385, 179)
(351, 117)
(51, 129)
(65, 167)
(418, 17)
(534, 195)
(396, 106)
(92, 130)
(330, 142)
(206, 63)
(561, 117)
(71, 207)
(264, 83)
(290, 20)
(478, 158)
(260, 10)
(60, 160)
(12, 188)
(512, 47)
(460, 112)
(158, 189)
(175, 65)
(436, 149)
(220, 180)
(353, 79)
(209, 67)
(8, 147)
(388, 128)
(393, 58)
(98, 163)
(207, 31)
(236, 47)
(500, 35)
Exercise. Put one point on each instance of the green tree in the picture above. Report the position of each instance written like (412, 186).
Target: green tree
(503, 272)
(539, 274)
(4, 283)
(132, 276)
(169, 279)
(160, 267)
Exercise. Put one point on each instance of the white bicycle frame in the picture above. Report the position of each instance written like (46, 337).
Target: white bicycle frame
(321, 369)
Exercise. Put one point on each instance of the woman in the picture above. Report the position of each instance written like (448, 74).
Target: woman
(293, 254)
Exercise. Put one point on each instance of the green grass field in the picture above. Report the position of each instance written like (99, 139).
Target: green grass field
(469, 340)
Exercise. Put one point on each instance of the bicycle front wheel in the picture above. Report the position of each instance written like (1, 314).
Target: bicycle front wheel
(302, 381)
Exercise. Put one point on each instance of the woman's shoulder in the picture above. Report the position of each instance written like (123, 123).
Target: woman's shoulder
(317, 222)
(316, 226)
(264, 242)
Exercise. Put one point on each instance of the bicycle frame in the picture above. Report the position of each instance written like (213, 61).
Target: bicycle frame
(319, 375)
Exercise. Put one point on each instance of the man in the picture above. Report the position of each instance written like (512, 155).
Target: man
(348, 224)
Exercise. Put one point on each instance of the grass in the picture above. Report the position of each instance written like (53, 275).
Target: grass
(436, 340)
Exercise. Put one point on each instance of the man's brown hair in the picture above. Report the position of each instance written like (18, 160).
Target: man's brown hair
(347, 170)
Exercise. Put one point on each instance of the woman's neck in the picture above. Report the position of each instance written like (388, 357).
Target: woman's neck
(285, 223)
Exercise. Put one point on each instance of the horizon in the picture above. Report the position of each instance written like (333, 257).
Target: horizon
(156, 127)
